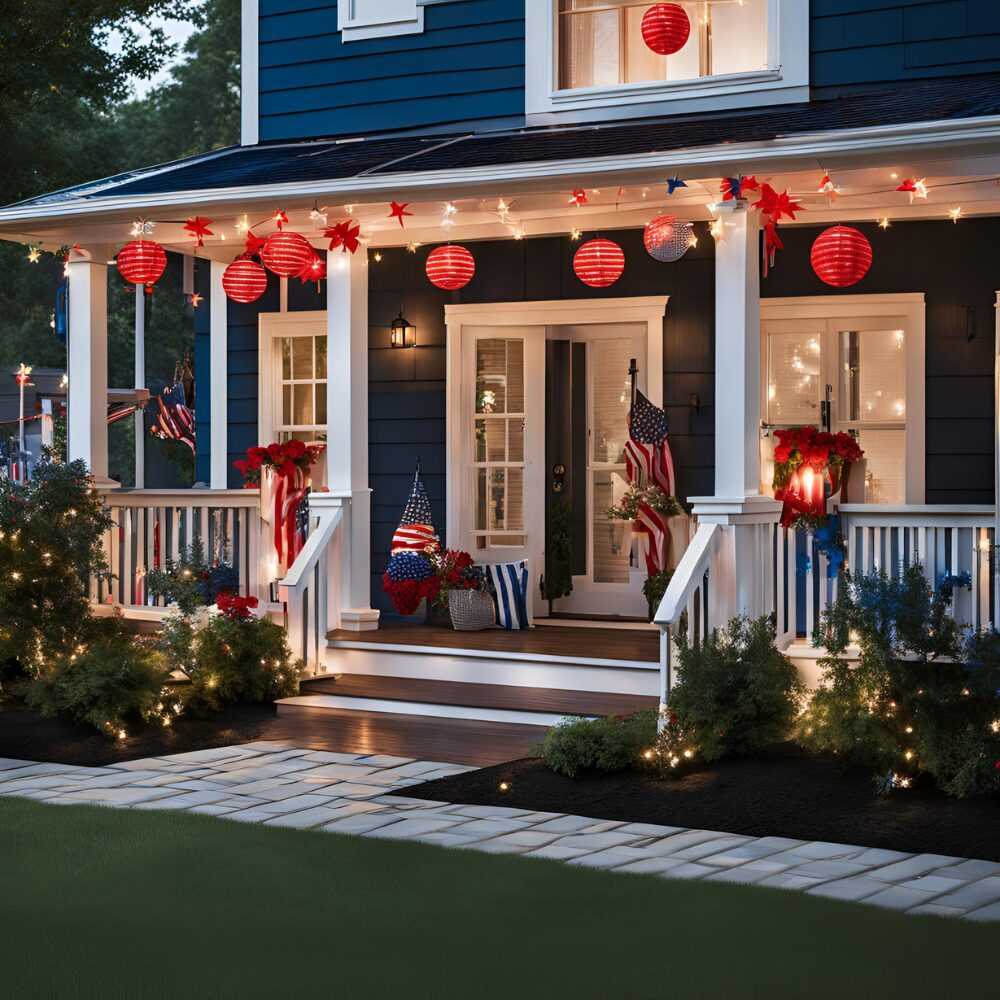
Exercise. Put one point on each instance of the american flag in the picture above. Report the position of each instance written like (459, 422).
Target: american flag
(416, 531)
(647, 453)
(174, 421)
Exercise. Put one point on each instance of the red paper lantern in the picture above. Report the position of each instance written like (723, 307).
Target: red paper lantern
(599, 263)
(668, 238)
(141, 262)
(244, 280)
(450, 267)
(841, 256)
(666, 28)
(286, 254)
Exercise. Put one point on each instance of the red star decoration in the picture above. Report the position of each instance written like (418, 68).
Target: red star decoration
(314, 270)
(344, 235)
(254, 244)
(579, 197)
(397, 211)
(199, 227)
(280, 218)
(776, 205)
(196, 299)
(907, 185)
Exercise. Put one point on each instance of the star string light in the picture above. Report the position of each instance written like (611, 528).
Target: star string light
(318, 217)
(955, 214)
(34, 255)
(884, 223)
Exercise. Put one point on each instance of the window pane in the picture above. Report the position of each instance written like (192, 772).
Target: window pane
(590, 49)
(286, 357)
(482, 493)
(302, 357)
(612, 539)
(286, 404)
(793, 378)
(885, 452)
(321, 357)
(513, 512)
(515, 376)
(491, 376)
(873, 375)
(303, 408)
(321, 403)
(515, 440)
(641, 62)
(494, 440)
(611, 387)
(739, 37)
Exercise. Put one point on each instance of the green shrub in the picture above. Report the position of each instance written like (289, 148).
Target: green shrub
(654, 587)
(735, 693)
(924, 695)
(610, 744)
(240, 658)
(114, 680)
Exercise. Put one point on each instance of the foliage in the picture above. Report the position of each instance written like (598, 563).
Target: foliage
(192, 580)
(609, 744)
(240, 658)
(654, 587)
(924, 695)
(108, 682)
(454, 570)
(283, 459)
(735, 693)
(409, 579)
(559, 551)
(627, 509)
(51, 533)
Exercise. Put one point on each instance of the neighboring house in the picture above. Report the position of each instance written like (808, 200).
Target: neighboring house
(486, 116)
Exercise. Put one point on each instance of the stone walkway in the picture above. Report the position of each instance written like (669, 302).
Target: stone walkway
(278, 785)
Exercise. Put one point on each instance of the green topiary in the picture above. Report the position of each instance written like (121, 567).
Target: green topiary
(610, 744)
(735, 693)
(559, 551)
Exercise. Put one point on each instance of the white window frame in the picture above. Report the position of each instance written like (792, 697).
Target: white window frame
(787, 72)
(359, 20)
(908, 305)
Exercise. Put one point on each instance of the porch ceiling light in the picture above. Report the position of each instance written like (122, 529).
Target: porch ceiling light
(404, 333)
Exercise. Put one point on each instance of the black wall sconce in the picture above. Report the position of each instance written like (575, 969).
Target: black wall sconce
(402, 332)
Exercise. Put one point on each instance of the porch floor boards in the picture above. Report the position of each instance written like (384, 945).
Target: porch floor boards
(470, 695)
(567, 641)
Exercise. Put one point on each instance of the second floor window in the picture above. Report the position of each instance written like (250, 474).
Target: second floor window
(601, 43)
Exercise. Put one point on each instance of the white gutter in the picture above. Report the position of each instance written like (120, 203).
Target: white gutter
(825, 146)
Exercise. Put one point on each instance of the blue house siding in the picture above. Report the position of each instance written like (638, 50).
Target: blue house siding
(467, 65)
(860, 42)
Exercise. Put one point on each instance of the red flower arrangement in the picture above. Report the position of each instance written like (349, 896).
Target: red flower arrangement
(282, 458)
(235, 607)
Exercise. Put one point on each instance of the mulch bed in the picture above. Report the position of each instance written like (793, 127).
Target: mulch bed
(783, 792)
(26, 735)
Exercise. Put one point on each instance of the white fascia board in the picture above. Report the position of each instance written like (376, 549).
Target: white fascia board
(937, 136)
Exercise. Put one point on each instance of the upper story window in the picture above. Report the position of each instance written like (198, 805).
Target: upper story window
(591, 54)
(601, 42)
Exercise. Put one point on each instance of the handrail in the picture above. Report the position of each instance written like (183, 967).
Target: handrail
(305, 562)
(181, 498)
(688, 576)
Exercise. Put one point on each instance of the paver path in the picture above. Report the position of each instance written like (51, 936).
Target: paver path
(279, 785)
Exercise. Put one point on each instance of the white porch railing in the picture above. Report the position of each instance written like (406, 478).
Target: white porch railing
(151, 527)
(742, 561)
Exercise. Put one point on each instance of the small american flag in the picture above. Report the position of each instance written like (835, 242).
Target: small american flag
(175, 421)
(416, 530)
(647, 453)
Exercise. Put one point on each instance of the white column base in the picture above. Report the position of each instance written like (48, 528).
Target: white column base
(359, 619)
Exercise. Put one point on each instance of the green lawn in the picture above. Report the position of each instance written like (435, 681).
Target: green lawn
(115, 904)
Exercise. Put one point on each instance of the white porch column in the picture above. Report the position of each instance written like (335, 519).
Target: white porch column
(140, 383)
(218, 367)
(87, 393)
(347, 437)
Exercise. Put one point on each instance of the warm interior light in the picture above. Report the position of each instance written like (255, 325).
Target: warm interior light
(403, 332)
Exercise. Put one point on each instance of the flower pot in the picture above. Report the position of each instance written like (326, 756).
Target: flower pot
(471, 610)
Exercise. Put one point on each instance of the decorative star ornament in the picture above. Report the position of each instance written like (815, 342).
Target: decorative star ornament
(254, 244)
(673, 184)
(344, 235)
(198, 227)
(955, 214)
(397, 211)
(575, 234)
(827, 187)
(142, 227)
(23, 374)
(318, 217)
(578, 198)
(313, 270)
(34, 254)
(884, 223)
(503, 210)
(195, 299)
(413, 246)
(914, 188)
(777, 205)
(280, 218)
(242, 225)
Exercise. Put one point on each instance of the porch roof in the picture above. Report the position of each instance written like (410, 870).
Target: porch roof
(972, 99)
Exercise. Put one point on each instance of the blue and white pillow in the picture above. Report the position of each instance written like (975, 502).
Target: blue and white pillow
(510, 593)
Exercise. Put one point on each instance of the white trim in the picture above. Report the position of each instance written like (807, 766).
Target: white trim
(786, 79)
(358, 20)
(996, 430)
(249, 73)
(140, 383)
(829, 146)
(908, 305)
(218, 369)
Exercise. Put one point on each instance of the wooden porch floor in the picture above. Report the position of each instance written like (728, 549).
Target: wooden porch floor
(576, 642)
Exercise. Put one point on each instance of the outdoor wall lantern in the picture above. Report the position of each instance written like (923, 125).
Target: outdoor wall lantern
(404, 334)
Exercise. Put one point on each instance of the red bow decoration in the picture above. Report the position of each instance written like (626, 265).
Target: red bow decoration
(199, 227)
(344, 235)
(579, 197)
(908, 185)
(733, 187)
(280, 218)
(254, 244)
(397, 211)
(314, 270)
(773, 207)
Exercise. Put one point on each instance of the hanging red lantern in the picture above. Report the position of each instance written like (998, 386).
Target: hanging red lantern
(450, 267)
(141, 262)
(244, 280)
(668, 238)
(666, 28)
(841, 256)
(286, 253)
(599, 263)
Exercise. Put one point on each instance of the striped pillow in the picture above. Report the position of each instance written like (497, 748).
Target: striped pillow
(510, 593)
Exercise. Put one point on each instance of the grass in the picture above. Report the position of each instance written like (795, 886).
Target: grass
(115, 904)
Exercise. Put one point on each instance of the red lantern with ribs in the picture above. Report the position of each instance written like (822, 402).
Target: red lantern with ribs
(599, 263)
(450, 267)
(841, 256)
(286, 254)
(244, 280)
(142, 262)
(666, 28)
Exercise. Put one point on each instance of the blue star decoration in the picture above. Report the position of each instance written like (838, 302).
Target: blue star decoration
(673, 184)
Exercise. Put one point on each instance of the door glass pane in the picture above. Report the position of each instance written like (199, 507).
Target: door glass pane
(320, 402)
(612, 539)
(515, 439)
(885, 452)
(491, 376)
(611, 389)
(302, 412)
(302, 357)
(873, 375)
(321, 357)
(793, 378)
(514, 509)
(489, 440)
(286, 357)
(286, 404)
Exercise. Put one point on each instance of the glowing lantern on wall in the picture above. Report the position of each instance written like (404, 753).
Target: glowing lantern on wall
(244, 280)
(668, 238)
(286, 254)
(141, 262)
(666, 28)
(841, 256)
(450, 267)
(599, 263)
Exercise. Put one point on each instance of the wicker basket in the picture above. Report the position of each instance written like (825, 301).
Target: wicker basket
(471, 610)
